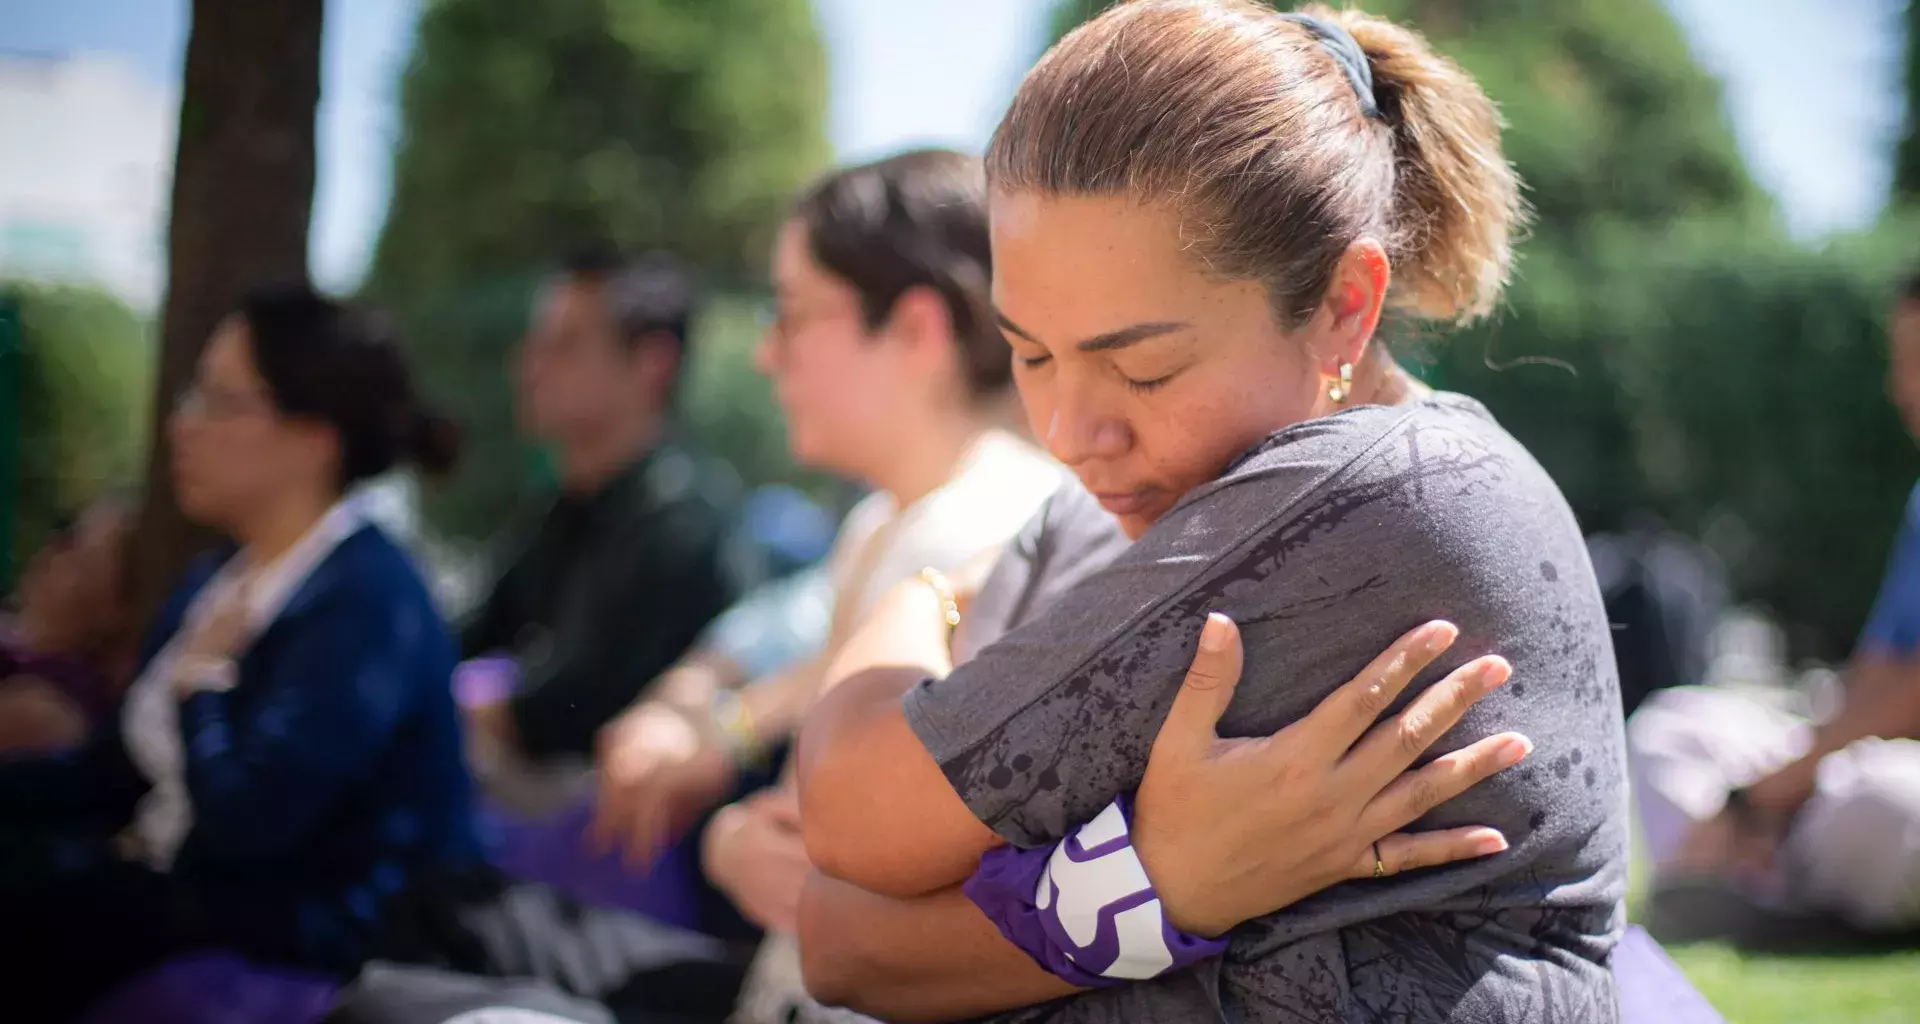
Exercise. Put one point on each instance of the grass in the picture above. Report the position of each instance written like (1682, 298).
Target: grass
(1755, 989)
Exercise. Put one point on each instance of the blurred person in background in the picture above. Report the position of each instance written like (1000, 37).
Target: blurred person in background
(1665, 594)
(890, 370)
(287, 759)
(1821, 817)
(66, 648)
(613, 578)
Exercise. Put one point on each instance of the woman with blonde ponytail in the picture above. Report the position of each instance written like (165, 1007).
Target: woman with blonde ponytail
(1201, 214)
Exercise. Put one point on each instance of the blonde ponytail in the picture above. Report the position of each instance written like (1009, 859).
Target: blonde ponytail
(1456, 201)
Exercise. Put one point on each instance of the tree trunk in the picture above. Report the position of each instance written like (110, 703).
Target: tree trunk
(1906, 159)
(242, 197)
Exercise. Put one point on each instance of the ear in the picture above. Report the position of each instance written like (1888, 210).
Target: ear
(318, 441)
(919, 320)
(1354, 300)
(655, 362)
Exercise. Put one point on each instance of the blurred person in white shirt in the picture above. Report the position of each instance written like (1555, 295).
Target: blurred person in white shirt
(891, 370)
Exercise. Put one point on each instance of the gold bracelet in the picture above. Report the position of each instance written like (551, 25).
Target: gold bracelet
(949, 604)
(735, 721)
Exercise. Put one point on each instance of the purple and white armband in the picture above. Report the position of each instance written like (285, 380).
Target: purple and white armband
(1084, 908)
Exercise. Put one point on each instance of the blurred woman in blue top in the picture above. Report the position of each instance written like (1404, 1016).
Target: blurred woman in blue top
(288, 759)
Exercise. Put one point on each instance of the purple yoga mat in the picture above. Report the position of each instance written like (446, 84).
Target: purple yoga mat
(1652, 989)
(216, 988)
(553, 851)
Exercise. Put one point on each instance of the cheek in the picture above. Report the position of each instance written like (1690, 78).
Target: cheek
(1192, 442)
(1036, 399)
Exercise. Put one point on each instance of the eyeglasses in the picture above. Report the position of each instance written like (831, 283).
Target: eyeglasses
(785, 323)
(213, 404)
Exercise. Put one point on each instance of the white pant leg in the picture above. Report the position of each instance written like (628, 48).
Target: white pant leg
(1688, 746)
(1855, 846)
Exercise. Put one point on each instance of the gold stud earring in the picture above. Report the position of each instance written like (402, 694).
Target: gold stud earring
(1342, 387)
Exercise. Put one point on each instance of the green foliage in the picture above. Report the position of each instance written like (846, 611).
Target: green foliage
(530, 129)
(1731, 387)
(86, 389)
(1610, 118)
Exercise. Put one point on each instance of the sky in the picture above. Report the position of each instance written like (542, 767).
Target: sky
(1812, 87)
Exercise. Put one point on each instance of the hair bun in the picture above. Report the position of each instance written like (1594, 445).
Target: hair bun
(435, 445)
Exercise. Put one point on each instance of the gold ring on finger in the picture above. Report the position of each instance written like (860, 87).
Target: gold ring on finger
(1379, 866)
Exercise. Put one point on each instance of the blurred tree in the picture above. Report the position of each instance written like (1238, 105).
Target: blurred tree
(1906, 165)
(242, 196)
(1610, 117)
(87, 376)
(531, 129)
(1726, 384)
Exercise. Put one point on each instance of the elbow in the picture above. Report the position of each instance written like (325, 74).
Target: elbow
(848, 845)
(838, 843)
(833, 842)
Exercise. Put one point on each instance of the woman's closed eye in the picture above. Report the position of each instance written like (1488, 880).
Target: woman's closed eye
(1147, 386)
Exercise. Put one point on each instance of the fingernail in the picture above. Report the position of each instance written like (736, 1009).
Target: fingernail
(1515, 750)
(1494, 674)
(1440, 636)
(1490, 843)
(1213, 636)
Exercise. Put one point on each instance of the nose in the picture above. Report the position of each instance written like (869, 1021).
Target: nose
(1082, 430)
(766, 355)
(178, 427)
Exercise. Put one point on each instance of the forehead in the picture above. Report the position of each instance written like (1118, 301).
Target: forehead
(569, 297)
(794, 266)
(1088, 264)
(103, 524)
(229, 354)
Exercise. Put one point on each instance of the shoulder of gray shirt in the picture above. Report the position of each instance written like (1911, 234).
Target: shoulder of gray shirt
(1325, 542)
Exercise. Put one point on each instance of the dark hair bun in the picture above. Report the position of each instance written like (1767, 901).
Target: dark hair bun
(435, 444)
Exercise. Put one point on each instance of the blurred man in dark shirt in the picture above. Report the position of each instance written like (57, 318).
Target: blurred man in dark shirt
(617, 574)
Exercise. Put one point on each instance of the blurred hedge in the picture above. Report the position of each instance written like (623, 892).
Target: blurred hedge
(1726, 381)
(87, 362)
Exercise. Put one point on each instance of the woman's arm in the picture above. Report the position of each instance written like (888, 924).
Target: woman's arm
(1209, 810)
(335, 694)
(875, 807)
(931, 958)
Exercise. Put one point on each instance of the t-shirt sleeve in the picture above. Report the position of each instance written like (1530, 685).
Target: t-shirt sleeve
(1894, 627)
(1042, 728)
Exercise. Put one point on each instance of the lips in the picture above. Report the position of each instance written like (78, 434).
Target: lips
(1126, 503)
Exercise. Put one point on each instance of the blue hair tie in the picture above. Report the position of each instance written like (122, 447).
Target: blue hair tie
(1347, 53)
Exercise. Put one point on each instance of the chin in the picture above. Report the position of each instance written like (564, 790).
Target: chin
(194, 504)
(808, 451)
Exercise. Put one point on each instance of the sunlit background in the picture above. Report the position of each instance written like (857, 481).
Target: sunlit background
(1812, 90)
(1695, 346)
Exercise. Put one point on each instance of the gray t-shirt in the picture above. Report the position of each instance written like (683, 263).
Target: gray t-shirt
(1326, 543)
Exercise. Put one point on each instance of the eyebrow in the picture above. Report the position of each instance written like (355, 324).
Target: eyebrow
(1111, 341)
